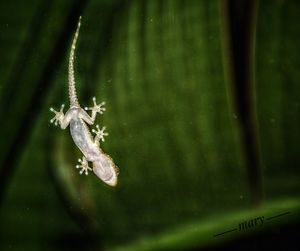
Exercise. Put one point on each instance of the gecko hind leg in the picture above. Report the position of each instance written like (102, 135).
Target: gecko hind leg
(84, 166)
(100, 134)
(96, 108)
(59, 116)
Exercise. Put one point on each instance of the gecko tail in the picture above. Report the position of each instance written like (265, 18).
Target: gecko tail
(106, 170)
(72, 88)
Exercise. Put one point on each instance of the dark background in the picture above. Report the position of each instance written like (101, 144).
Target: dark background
(203, 112)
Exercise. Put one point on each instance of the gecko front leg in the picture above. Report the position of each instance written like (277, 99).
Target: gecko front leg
(96, 108)
(100, 133)
(84, 165)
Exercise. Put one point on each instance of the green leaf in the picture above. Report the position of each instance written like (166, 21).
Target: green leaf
(163, 69)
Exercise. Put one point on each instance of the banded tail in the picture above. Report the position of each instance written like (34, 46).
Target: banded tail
(72, 89)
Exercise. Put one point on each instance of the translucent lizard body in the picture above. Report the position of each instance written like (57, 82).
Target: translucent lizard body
(78, 118)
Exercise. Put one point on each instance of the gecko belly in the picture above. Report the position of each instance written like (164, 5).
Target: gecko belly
(103, 165)
(83, 139)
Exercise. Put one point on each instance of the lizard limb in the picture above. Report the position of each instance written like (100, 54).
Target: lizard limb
(96, 108)
(99, 134)
(84, 166)
(59, 115)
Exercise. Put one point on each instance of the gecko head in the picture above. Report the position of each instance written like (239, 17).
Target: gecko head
(105, 169)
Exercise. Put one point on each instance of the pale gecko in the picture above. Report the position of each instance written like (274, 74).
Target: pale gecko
(78, 118)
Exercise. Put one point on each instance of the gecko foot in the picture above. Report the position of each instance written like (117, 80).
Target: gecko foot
(100, 133)
(96, 108)
(58, 115)
(84, 166)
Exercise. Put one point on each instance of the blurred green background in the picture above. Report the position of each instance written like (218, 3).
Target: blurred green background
(203, 112)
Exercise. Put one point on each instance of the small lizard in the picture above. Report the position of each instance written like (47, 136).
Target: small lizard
(78, 118)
